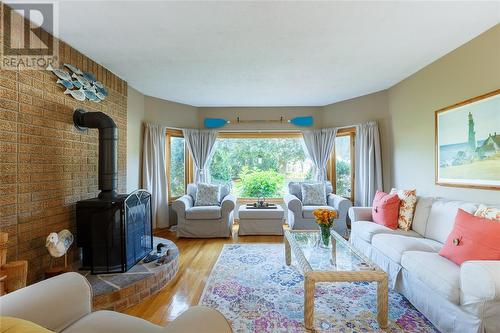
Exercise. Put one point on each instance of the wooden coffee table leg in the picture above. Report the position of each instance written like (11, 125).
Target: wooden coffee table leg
(288, 257)
(309, 286)
(382, 302)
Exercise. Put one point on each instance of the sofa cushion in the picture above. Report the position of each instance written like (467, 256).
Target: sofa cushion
(472, 238)
(393, 246)
(112, 322)
(422, 210)
(442, 217)
(490, 213)
(367, 229)
(438, 273)
(203, 213)
(307, 211)
(385, 209)
(406, 207)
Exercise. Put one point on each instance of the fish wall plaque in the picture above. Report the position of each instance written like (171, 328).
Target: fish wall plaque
(79, 84)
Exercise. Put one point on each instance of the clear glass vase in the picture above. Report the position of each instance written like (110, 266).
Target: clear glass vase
(325, 236)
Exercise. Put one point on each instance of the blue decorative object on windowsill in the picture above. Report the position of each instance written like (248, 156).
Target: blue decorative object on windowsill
(79, 84)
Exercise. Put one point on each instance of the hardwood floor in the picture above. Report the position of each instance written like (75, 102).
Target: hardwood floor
(197, 257)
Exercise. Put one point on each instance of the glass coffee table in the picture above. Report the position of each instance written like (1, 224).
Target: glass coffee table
(341, 262)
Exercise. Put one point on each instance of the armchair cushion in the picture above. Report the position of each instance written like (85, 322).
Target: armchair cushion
(203, 213)
(307, 211)
(224, 191)
(207, 195)
(294, 188)
(313, 194)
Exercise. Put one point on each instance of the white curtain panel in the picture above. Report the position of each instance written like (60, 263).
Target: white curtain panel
(154, 178)
(200, 144)
(368, 171)
(319, 144)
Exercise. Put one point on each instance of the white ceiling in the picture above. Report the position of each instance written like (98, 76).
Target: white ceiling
(268, 53)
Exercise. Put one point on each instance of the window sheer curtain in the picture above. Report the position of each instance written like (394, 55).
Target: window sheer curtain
(368, 163)
(200, 144)
(319, 144)
(154, 178)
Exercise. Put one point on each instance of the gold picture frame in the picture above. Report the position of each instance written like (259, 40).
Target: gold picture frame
(467, 143)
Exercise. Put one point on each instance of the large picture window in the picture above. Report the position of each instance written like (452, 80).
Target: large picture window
(259, 164)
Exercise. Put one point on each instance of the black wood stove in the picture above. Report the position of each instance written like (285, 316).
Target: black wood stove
(113, 230)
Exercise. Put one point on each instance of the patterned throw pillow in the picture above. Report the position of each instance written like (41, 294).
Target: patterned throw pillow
(406, 207)
(313, 194)
(489, 213)
(207, 195)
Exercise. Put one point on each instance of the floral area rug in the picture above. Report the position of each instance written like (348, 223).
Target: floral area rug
(251, 285)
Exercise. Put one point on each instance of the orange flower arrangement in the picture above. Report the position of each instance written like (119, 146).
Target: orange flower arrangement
(324, 217)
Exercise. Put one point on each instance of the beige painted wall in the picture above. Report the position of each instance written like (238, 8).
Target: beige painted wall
(143, 109)
(471, 70)
(260, 113)
(135, 117)
(170, 114)
(360, 110)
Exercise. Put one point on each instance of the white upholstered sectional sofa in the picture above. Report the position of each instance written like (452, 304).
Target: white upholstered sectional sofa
(454, 298)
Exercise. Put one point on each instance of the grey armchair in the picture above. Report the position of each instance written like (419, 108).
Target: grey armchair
(204, 221)
(301, 217)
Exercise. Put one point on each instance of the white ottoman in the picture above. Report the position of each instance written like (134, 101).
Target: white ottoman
(261, 221)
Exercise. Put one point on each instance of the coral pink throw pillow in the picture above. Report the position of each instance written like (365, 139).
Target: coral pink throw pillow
(472, 238)
(385, 210)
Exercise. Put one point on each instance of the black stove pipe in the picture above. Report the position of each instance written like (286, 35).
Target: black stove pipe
(108, 143)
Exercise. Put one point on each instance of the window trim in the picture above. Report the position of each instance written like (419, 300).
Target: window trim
(259, 135)
(188, 172)
(331, 174)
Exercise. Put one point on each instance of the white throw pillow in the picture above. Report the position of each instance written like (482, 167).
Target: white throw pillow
(207, 195)
(313, 194)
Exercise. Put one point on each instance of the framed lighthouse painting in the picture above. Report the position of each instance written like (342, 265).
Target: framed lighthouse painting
(468, 143)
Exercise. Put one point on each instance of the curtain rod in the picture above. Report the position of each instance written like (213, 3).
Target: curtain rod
(263, 130)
